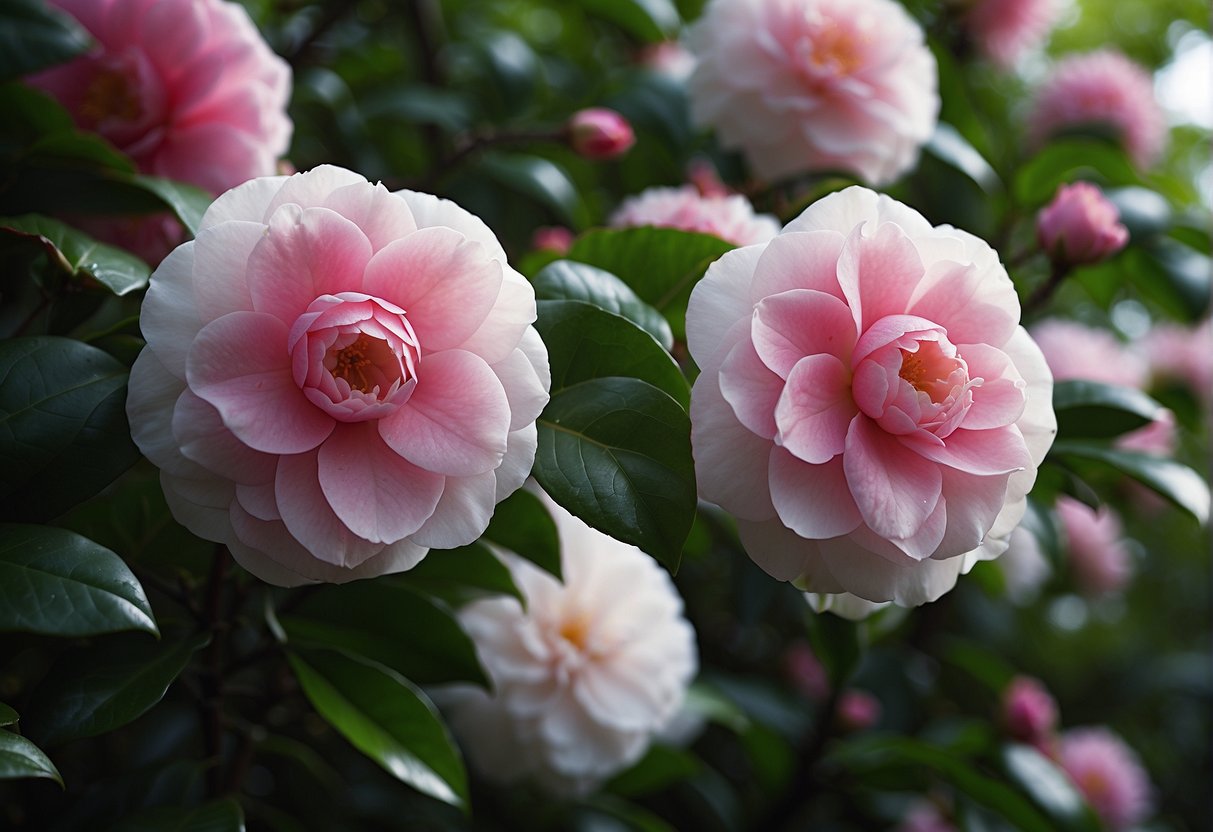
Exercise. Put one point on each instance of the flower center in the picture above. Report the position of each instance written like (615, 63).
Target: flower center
(835, 49)
(930, 371)
(576, 631)
(110, 94)
(356, 363)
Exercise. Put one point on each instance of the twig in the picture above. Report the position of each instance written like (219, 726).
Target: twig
(1041, 295)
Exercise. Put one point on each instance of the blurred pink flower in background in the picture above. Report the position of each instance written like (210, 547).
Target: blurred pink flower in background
(297, 411)
(599, 133)
(1095, 547)
(669, 58)
(805, 671)
(1181, 354)
(868, 407)
(811, 85)
(1109, 775)
(555, 238)
(1029, 711)
(1080, 226)
(1103, 89)
(925, 816)
(1006, 29)
(729, 217)
(585, 675)
(858, 710)
(1024, 566)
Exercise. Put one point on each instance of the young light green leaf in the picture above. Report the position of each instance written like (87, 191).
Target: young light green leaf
(568, 280)
(20, 758)
(387, 718)
(55, 582)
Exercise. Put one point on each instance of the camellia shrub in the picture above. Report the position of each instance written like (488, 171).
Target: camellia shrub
(643, 415)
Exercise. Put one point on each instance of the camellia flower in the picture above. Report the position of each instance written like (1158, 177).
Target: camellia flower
(1029, 711)
(869, 407)
(858, 710)
(1095, 546)
(1182, 354)
(1108, 774)
(806, 85)
(1106, 90)
(925, 816)
(1080, 226)
(729, 217)
(187, 88)
(584, 675)
(1003, 30)
(599, 133)
(336, 377)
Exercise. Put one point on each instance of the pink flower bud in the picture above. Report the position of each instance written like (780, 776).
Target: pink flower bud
(555, 238)
(1080, 226)
(1029, 712)
(599, 133)
(858, 710)
(805, 671)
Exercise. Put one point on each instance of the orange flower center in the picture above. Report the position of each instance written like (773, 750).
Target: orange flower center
(929, 370)
(109, 95)
(355, 360)
(576, 631)
(836, 48)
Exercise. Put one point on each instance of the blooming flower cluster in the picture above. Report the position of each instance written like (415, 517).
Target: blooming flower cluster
(729, 217)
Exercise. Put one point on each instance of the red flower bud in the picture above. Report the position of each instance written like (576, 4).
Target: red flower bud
(599, 133)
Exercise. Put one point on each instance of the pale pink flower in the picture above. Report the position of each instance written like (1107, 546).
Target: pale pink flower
(1024, 566)
(669, 58)
(555, 238)
(1106, 90)
(337, 378)
(1029, 711)
(1109, 775)
(1177, 353)
(810, 85)
(1006, 29)
(1080, 226)
(869, 407)
(584, 675)
(1095, 546)
(805, 671)
(858, 710)
(925, 816)
(598, 133)
(729, 217)
(187, 88)
(1077, 351)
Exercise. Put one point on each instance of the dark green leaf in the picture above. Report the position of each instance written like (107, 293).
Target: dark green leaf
(616, 452)
(55, 582)
(1180, 271)
(7, 715)
(585, 342)
(709, 703)
(980, 662)
(35, 36)
(387, 718)
(391, 623)
(1173, 480)
(836, 642)
(540, 179)
(660, 768)
(568, 280)
(661, 265)
(512, 68)
(20, 758)
(451, 573)
(1049, 787)
(79, 255)
(1067, 160)
(522, 524)
(63, 428)
(92, 690)
(647, 20)
(953, 149)
(1092, 410)
(188, 202)
(218, 816)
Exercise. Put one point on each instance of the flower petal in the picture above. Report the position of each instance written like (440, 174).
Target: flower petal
(801, 322)
(895, 488)
(730, 460)
(812, 500)
(751, 389)
(815, 409)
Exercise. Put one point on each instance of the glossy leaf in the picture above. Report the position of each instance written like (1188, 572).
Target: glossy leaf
(1173, 480)
(187, 202)
(616, 452)
(522, 524)
(387, 718)
(1142, 211)
(661, 265)
(55, 582)
(35, 36)
(20, 758)
(7, 715)
(389, 622)
(569, 280)
(1049, 786)
(452, 573)
(953, 149)
(540, 179)
(95, 689)
(1092, 410)
(63, 428)
(217, 816)
(1066, 160)
(79, 255)
(648, 20)
(660, 768)
(585, 342)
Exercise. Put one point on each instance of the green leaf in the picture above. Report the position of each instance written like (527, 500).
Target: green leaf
(1173, 480)
(950, 147)
(64, 434)
(616, 452)
(78, 255)
(1066, 160)
(95, 689)
(1049, 787)
(585, 342)
(836, 642)
(20, 758)
(568, 280)
(661, 265)
(34, 36)
(55, 582)
(522, 524)
(704, 700)
(217, 816)
(1142, 211)
(646, 20)
(7, 715)
(1177, 276)
(658, 769)
(389, 622)
(387, 718)
(450, 573)
(1092, 410)
(188, 202)
(540, 179)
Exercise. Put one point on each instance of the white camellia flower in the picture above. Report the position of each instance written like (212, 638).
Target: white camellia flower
(585, 675)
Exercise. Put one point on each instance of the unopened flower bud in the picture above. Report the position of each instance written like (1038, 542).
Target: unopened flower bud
(858, 710)
(1028, 710)
(1080, 226)
(599, 133)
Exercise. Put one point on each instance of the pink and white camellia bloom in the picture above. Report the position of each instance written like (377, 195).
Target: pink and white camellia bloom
(869, 408)
(583, 676)
(729, 217)
(1004, 30)
(337, 378)
(810, 85)
(1109, 775)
